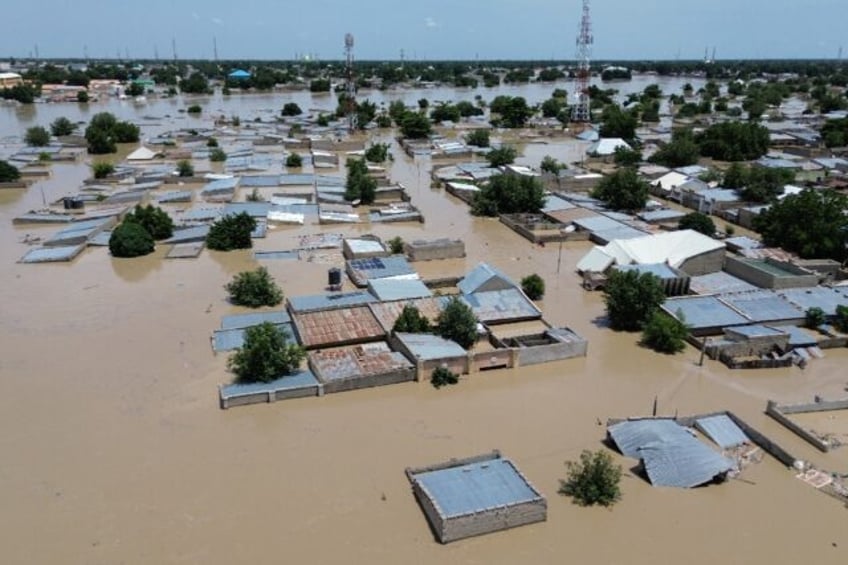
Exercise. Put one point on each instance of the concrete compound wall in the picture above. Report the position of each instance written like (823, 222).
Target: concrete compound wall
(491, 520)
(270, 396)
(781, 412)
(430, 251)
(775, 412)
(355, 383)
(550, 353)
(764, 279)
(704, 264)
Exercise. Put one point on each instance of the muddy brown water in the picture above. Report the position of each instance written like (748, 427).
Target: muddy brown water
(115, 451)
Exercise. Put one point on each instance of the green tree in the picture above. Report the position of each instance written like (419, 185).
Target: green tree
(129, 239)
(377, 153)
(681, 151)
(551, 165)
(617, 122)
(442, 376)
(412, 321)
(396, 245)
(196, 83)
(835, 132)
(665, 334)
(478, 138)
(37, 136)
(513, 111)
(266, 355)
(736, 176)
(134, 89)
(62, 126)
(155, 221)
(359, 184)
(812, 224)
(734, 141)
(294, 160)
(184, 168)
(8, 173)
(217, 155)
(593, 479)
(698, 222)
(233, 231)
(319, 85)
(211, 142)
(533, 286)
(509, 194)
(82, 97)
(254, 289)
(457, 322)
(195, 109)
(445, 112)
(625, 157)
(622, 190)
(291, 109)
(814, 318)
(104, 131)
(631, 298)
(504, 155)
(102, 169)
(841, 318)
(415, 126)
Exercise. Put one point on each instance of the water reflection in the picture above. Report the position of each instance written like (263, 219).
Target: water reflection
(138, 268)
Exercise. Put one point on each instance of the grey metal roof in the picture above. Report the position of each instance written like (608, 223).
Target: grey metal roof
(661, 215)
(78, 232)
(300, 380)
(428, 347)
(501, 305)
(227, 340)
(398, 289)
(476, 487)
(221, 186)
(266, 255)
(482, 276)
(175, 196)
(188, 235)
(718, 283)
(756, 330)
(381, 267)
(554, 203)
(821, 297)
(52, 254)
(722, 430)
(598, 223)
(329, 301)
(252, 209)
(620, 232)
(670, 454)
(660, 270)
(701, 312)
(200, 214)
(257, 181)
(237, 321)
(763, 306)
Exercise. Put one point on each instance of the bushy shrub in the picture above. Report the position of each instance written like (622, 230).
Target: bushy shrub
(8, 173)
(631, 298)
(155, 221)
(231, 232)
(411, 321)
(502, 156)
(699, 222)
(533, 286)
(665, 334)
(396, 245)
(377, 153)
(594, 479)
(184, 168)
(814, 317)
(266, 355)
(359, 184)
(102, 170)
(37, 136)
(254, 289)
(129, 239)
(217, 155)
(194, 109)
(458, 323)
(443, 376)
(294, 160)
(62, 126)
(478, 138)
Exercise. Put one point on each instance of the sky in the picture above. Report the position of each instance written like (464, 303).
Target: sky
(435, 29)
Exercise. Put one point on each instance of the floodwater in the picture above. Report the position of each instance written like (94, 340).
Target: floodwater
(115, 451)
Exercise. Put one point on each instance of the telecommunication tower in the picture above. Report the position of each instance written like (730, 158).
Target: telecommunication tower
(581, 112)
(350, 85)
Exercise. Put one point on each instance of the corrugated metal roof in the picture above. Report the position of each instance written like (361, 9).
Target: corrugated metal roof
(670, 454)
(763, 306)
(722, 430)
(228, 340)
(484, 275)
(475, 487)
(300, 380)
(701, 312)
(501, 305)
(717, 283)
(329, 301)
(398, 289)
(52, 254)
(267, 255)
(428, 347)
(821, 297)
(188, 235)
(595, 261)
(252, 209)
(237, 321)
(363, 270)
(660, 270)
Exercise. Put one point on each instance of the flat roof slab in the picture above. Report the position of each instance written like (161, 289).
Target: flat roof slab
(763, 306)
(701, 312)
(337, 327)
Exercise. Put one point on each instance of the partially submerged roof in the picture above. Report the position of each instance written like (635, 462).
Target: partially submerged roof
(428, 347)
(722, 430)
(673, 248)
(703, 312)
(254, 319)
(398, 289)
(502, 305)
(356, 361)
(763, 306)
(337, 327)
(329, 301)
(302, 379)
(607, 146)
(670, 454)
(141, 154)
(475, 487)
(484, 277)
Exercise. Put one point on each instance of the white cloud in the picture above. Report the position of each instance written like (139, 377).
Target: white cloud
(430, 22)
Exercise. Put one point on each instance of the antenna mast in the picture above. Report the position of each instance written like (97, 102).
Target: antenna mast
(581, 111)
(350, 85)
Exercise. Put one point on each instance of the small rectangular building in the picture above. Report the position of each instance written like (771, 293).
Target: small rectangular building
(428, 250)
(476, 496)
(360, 366)
(361, 271)
(327, 328)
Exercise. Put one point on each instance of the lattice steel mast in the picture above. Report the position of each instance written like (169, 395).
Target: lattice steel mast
(581, 112)
(350, 85)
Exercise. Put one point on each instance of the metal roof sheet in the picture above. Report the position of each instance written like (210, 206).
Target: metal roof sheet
(701, 312)
(660, 270)
(820, 297)
(230, 339)
(475, 487)
(484, 275)
(237, 321)
(300, 380)
(722, 430)
(501, 305)
(329, 301)
(763, 306)
(398, 289)
(52, 254)
(428, 347)
(719, 282)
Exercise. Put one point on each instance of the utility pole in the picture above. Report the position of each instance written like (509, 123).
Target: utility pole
(350, 85)
(585, 40)
(215, 47)
(174, 48)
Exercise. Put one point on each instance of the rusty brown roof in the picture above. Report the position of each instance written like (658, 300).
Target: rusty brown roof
(337, 327)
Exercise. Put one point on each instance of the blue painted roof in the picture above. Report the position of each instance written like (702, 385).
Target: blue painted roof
(329, 301)
(253, 209)
(475, 487)
(239, 73)
(719, 282)
(300, 380)
(722, 430)
(381, 267)
(256, 181)
(221, 186)
(763, 306)
(821, 297)
(501, 305)
(756, 330)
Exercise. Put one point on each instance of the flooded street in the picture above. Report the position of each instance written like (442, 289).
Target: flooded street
(115, 450)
